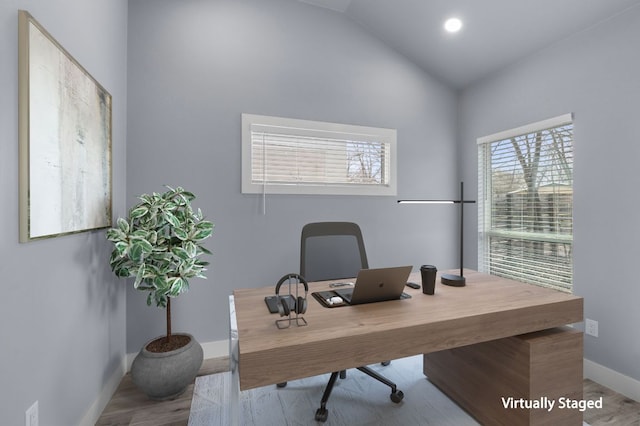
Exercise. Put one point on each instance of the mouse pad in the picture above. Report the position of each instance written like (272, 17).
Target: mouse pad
(324, 296)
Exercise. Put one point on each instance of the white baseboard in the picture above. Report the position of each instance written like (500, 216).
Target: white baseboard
(618, 382)
(93, 413)
(215, 349)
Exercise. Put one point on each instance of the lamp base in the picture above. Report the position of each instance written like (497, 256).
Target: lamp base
(453, 280)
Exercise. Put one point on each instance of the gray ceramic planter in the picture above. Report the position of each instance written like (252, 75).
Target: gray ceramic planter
(166, 375)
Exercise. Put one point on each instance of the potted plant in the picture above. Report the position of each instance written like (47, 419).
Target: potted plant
(160, 245)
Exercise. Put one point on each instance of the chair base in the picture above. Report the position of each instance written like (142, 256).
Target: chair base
(322, 413)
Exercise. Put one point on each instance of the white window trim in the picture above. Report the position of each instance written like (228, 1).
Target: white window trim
(250, 121)
(483, 192)
(528, 128)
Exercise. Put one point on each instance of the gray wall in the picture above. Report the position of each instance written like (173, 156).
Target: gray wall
(595, 75)
(62, 315)
(195, 66)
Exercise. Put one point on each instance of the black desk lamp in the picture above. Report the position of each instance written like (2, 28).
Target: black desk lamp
(450, 279)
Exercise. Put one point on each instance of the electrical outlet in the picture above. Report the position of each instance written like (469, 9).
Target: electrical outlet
(31, 415)
(591, 327)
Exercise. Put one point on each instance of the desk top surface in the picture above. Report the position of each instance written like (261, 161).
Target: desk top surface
(491, 306)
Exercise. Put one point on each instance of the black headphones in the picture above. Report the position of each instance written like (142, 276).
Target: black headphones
(300, 305)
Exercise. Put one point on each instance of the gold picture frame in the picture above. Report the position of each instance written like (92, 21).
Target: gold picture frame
(64, 139)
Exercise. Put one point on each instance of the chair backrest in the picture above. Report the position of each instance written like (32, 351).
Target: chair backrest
(331, 251)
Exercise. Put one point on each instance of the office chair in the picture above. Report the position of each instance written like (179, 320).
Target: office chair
(333, 251)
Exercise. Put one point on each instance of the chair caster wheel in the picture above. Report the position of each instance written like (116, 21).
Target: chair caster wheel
(322, 414)
(385, 363)
(396, 396)
(281, 385)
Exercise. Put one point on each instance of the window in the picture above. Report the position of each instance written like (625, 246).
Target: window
(526, 203)
(288, 156)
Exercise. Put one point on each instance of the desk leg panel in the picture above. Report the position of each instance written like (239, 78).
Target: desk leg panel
(542, 366)
(234, 356)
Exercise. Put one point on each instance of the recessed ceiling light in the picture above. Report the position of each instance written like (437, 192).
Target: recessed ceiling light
(453, 25)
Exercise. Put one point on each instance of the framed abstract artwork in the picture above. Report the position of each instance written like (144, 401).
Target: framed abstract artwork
(64, 138)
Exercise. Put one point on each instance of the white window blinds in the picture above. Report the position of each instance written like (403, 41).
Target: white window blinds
(526, 209)
(306, 157)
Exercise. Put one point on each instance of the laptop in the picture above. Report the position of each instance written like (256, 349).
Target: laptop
(376, 285)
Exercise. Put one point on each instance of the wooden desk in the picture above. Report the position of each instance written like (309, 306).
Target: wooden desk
(487, 309)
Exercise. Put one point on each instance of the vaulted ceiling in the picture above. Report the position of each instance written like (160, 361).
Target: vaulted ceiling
(495, 33)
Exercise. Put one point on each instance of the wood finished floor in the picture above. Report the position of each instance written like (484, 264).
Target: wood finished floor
(129, 406)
